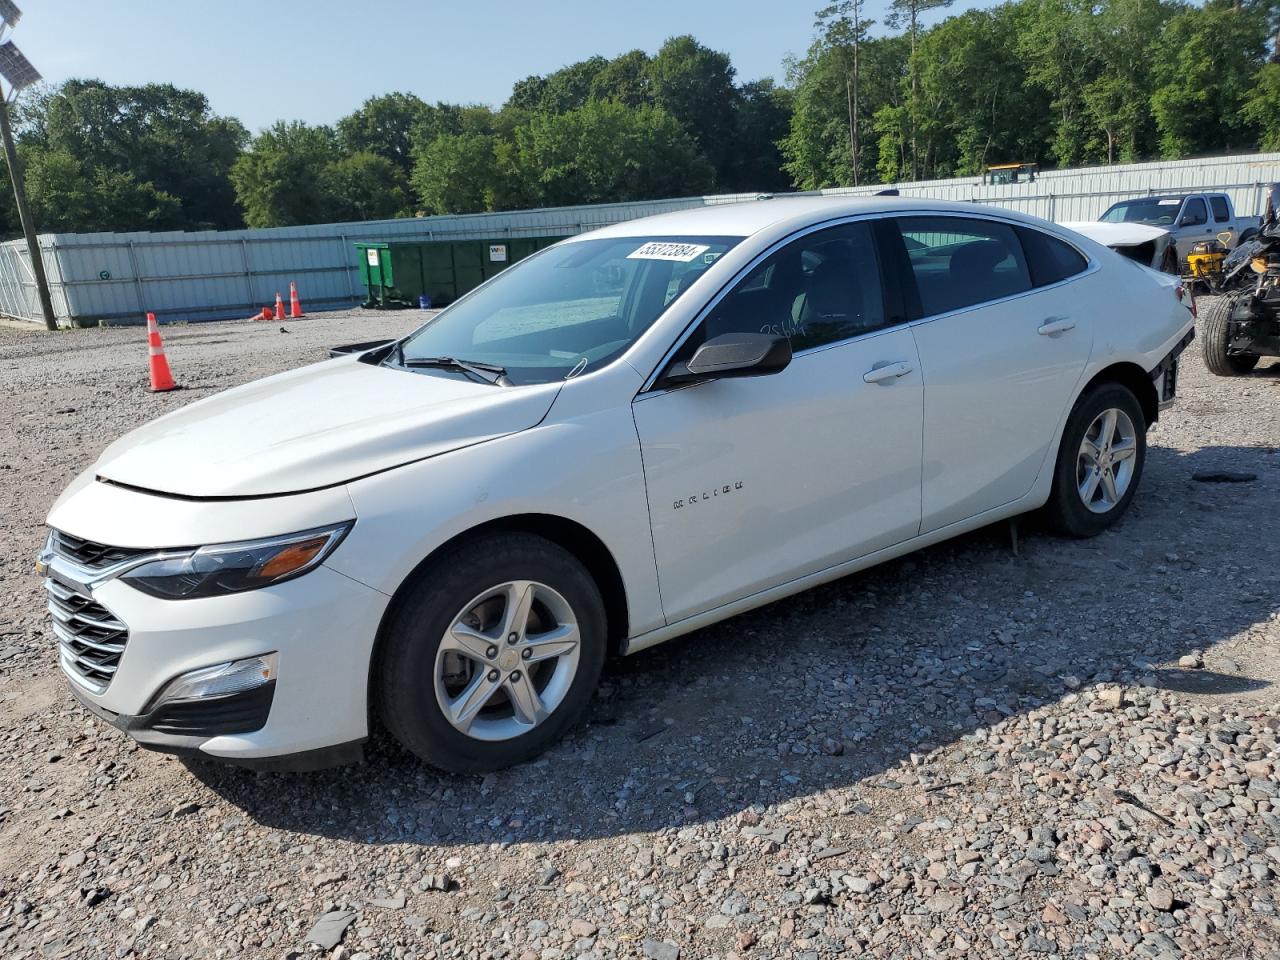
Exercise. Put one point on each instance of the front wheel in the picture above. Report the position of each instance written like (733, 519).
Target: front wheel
(1217, 336)
(492, 653)
(1100, 460)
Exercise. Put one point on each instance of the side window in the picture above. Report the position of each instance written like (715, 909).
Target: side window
(1194, 213)
(1221, 212)
(820, 289)
(1048, 258)
(959, 262)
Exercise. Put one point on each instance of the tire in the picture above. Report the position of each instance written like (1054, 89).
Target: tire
(1216, 333)
(1068, 511)
(415, 678)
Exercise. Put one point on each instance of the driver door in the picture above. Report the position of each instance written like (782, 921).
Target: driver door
(756, 481)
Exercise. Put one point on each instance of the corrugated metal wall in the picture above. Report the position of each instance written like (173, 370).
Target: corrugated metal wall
(234, 273)
(1083, 194)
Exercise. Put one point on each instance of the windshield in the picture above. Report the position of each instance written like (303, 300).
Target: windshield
(1157, 211)
(567, 309)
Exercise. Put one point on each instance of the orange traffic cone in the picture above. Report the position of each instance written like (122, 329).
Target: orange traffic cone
(265, 314)
(295, 305)
(279, 306)
(161, 378)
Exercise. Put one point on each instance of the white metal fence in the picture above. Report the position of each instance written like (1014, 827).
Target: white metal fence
(234, 273)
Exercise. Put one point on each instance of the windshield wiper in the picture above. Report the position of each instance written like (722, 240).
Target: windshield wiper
(488, 372)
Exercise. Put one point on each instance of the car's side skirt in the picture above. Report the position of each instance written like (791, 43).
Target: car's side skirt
(1035, 498)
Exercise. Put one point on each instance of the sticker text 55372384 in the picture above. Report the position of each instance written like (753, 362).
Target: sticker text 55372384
(659, 250)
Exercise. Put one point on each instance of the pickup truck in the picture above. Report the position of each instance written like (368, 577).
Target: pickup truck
(1189, 218)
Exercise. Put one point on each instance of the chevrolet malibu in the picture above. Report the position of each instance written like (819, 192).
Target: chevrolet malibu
(625, 437)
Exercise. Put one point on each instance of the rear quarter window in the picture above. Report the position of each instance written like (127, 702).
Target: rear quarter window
(1049, 259)
(960, 262)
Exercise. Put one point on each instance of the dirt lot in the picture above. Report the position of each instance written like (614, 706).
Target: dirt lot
(1068, 751)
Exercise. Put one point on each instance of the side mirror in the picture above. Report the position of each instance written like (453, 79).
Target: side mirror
(734, 355)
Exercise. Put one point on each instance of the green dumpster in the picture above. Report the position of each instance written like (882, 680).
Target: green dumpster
(396, 273)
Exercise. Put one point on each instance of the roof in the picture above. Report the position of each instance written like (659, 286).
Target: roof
(750, 217)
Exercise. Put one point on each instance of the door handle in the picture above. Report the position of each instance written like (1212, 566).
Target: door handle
(887, 372)
(1052, 325)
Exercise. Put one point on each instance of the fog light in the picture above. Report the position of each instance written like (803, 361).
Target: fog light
(222, 680)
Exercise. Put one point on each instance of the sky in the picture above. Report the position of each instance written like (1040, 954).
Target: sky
(316, 60)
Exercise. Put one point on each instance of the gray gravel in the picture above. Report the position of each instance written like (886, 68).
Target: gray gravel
(1068, 751)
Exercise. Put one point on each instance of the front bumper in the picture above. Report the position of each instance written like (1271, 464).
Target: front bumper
(314, 713)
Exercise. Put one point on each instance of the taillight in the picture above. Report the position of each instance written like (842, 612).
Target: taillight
(1186, 297)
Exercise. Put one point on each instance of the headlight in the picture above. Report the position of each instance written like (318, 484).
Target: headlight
(233, 567)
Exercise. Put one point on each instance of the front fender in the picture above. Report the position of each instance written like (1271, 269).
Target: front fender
(586, 469)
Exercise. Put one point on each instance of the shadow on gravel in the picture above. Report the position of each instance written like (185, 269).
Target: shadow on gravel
(839, 687)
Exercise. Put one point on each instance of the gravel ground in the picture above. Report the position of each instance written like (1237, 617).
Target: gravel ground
(1070, 750)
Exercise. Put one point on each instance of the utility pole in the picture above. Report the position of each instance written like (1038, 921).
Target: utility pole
(24, 214)
(17, 69)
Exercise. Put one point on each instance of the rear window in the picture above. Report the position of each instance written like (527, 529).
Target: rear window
(959, 262)
(1221, 212)
(1049, 259)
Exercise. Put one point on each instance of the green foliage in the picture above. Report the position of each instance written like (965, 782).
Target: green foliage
(1214, 55)
(147, 157)
(278, 180)
(1260, 106)
(364, 186)
(604, 152)
(457, 173)
(386, 125)
(1057, 82)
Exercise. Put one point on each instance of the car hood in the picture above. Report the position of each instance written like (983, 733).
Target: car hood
(315, 427)
(1116, 234)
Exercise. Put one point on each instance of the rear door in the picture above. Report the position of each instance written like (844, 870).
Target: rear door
(1002, 344)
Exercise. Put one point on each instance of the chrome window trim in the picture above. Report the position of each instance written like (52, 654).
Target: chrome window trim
(647, 389)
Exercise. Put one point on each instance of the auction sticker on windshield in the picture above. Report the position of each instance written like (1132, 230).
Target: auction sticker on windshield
(681, 252)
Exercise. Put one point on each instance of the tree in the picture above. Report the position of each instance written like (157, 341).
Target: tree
(626, 79)
(70, 195)
(762, 121)
(817, 149)
(385, 126)
(1214, 54)
(907, 13)
(978, 107)
(1055, 42)
(457, 173)
(695, 85)
(605, 152)
(278, 181)
(1260, 106)
(1127, 38)
(364, 186)
(845, 30)
(154, 134)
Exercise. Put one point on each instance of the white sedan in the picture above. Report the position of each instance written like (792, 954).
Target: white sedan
(623, 438)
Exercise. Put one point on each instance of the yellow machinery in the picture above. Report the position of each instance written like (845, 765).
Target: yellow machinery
(1204, 262)
(1006, 173)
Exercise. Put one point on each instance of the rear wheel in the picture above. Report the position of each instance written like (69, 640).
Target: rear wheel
(1100, 460)
(492, 654)
(1217, 330)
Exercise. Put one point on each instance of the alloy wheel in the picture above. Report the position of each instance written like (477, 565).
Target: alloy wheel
(507, 660)
(1105, 462)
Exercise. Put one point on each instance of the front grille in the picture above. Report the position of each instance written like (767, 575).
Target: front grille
(90, 638)
(91, 555)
